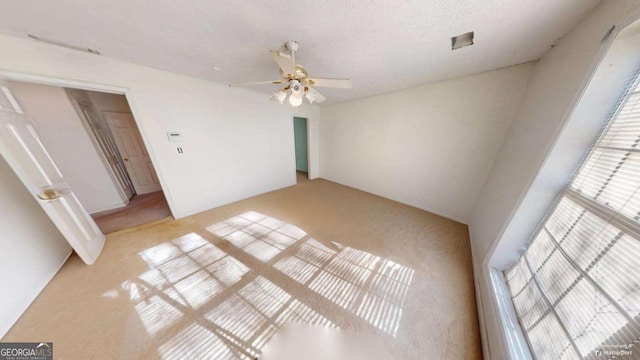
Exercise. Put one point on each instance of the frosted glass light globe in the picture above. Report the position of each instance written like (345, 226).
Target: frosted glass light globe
(295, 100)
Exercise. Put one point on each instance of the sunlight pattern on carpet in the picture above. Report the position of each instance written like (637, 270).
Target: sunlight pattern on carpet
(196, 300)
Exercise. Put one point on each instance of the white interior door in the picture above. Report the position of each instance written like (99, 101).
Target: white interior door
(107, 147)
(23, 151)
(133, 152)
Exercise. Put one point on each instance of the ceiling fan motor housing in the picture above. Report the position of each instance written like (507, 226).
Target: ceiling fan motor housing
(296, 88)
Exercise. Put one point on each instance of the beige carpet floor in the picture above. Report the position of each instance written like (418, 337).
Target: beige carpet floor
(219, 284)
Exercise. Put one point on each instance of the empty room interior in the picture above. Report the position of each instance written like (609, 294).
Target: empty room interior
(320, 180)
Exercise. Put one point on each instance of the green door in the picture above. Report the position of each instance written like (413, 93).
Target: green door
(300, 135)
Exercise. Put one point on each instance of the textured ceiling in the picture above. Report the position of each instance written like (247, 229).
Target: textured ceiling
(381, 45)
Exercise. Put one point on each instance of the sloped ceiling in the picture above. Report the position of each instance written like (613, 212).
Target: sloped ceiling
(381, 45)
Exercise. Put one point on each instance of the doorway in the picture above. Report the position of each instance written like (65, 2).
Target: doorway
(301, 149)
(93, 138)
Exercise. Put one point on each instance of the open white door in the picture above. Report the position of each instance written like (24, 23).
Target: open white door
(23, 151)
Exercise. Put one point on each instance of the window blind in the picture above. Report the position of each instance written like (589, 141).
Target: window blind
(576, 288)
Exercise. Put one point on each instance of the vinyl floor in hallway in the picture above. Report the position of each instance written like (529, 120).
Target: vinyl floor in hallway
(141, 209)
(219, 284)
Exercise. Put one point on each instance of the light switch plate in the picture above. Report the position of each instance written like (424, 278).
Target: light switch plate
(174, 136)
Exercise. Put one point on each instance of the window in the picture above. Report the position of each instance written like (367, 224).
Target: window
(576, 288)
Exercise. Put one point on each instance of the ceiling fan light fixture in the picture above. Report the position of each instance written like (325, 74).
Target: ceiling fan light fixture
(279, 96)
(310, 96)
(295, 100)
(298, 85)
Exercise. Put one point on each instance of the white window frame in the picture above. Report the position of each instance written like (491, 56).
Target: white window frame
(512, 339)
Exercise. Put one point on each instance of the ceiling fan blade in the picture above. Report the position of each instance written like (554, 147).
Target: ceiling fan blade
(328, 82)
(284, 62)
(314, 96)
(256, 83)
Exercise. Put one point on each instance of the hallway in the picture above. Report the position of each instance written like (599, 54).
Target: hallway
(142, 209)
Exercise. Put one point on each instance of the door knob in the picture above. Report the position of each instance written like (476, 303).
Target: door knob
(53, 192)
(126, 159)
(49, 194)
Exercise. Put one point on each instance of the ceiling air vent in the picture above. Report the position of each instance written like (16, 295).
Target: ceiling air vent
(461, 41)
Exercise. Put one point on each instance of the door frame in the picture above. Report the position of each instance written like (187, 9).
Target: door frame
(306, 125)
(77, 105)
(312, 114)
(85, 85)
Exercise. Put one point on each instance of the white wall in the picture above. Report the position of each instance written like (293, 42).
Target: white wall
(65, 137)
(237, 143)
(32, 248)
(431, 146)
(540, 152)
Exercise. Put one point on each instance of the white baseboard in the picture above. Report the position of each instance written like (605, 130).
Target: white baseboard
(107, 208)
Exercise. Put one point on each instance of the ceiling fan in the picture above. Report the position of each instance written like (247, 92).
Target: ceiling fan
(297, 82)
